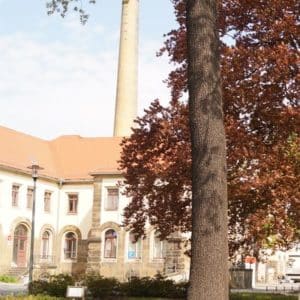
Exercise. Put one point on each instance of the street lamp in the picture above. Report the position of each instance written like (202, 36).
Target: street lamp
(34, 173)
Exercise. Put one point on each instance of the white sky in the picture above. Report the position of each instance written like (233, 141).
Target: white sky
(59, 77)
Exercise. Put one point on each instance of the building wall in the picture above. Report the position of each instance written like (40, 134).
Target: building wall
(83, 217)
(12, 216)
(59, 221)
(89, 224)
(111, 215)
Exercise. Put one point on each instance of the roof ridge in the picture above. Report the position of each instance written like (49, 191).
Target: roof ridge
(85, 137)
(64, 157)
(22, 133)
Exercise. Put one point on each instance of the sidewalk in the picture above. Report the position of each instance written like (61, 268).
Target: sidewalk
(283, 288)
(12, 288)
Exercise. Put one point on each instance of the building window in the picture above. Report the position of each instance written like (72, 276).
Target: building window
(70, 250)
(15, 195)
(45, 245)
(159, 248)
(73, 203)
(112, 199)
(110, 244)
(29, 197)
(134, 247)
(47, 201)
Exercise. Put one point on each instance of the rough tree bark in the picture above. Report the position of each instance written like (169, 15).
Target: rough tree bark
(209, 267)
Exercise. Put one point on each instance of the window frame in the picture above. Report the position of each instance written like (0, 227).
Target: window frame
(46, 255)
(107, 202)
(74, 247)
(29, 201)
(113, 242)
(74, 201)
(162, 247)
(137, 245)
(47, 201)
(15, 193)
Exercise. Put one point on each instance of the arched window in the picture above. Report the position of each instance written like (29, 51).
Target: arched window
(46, 245)
(70, 250)
(159, 247)
(134, 247)
(110, 244)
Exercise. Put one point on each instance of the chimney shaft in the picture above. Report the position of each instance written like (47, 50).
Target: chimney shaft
(126, 98)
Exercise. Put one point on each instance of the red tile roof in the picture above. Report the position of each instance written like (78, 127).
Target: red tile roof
(69, 157)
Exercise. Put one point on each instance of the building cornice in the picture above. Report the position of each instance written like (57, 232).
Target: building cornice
(53, 179)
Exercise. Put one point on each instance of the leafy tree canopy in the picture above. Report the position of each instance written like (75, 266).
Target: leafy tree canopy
(260, 74)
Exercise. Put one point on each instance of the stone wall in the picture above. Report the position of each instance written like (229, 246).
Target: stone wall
(94, 238)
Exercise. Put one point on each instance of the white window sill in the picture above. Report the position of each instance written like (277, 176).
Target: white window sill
(109, 260)
(133, 260)
(69, 261)
(157, 260)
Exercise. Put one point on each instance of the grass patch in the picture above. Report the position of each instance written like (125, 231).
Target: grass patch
(235, 296)
(31, 297)
(8, 279)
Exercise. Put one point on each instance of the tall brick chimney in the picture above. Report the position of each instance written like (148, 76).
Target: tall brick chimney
(126, 98)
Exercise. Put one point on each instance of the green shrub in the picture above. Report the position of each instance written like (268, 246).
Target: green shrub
(153, 287)
(56, 286)
(137, 287)
(38, 287)
(8, 279)
(100, 287)
(31, 297)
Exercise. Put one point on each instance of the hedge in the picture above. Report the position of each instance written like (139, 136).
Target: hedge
(99, 287)
(56, 286)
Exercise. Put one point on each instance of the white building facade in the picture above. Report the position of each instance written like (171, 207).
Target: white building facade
(78, 218)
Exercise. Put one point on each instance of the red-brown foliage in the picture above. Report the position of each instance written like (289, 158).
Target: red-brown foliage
(260, 74)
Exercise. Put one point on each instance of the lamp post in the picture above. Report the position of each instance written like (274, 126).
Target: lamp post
(34, 173)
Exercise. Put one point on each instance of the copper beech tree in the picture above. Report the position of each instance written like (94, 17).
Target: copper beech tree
(260, 89)
(260, 79)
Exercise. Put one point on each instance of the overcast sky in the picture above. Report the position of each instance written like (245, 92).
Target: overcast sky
(59, 77)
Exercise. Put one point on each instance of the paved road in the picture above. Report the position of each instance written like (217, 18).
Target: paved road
(12, 288)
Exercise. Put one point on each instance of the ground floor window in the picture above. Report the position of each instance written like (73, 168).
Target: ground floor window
(20, 246)
(159, 248)
(70, 248)
(110, 244)
(46, 245)
(134, 247)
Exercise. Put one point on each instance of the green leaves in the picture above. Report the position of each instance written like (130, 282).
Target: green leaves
(62, 7)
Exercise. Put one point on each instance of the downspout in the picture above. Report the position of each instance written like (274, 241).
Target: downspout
(60, 184)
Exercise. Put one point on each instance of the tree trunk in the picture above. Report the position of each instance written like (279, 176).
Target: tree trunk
(209, 264)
